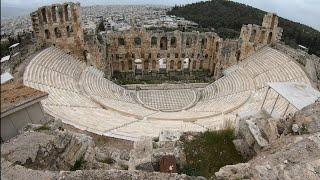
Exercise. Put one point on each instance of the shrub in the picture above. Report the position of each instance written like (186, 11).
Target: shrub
(79, 164)
(210, 151)
(42, 128)
(108, 160)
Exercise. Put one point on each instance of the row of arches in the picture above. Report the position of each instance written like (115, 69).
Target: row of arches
(58, 33)
(57, 13)
(149, 56)
(163, 42)
(162, 64)
(261, 38)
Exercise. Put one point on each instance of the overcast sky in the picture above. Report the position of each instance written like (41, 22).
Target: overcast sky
(304, 11)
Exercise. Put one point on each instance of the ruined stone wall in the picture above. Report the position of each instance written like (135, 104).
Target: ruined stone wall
(123, 48)
(60, 25)
(253, 37)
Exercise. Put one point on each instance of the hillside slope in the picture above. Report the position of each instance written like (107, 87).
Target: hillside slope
(227, 18)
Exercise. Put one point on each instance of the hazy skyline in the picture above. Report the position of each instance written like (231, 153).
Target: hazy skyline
(303, 11)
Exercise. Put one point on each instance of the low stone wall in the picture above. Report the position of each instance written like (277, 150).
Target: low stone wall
(164, 86)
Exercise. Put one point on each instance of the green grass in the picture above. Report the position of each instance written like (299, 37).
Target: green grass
(209, 152)
(42, 128)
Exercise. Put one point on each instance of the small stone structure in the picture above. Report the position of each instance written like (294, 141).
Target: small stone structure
(20, 105)
(141, 152)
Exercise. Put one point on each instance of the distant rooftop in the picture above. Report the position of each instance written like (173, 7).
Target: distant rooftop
(5, 77)
(14, 45)
(6, 58)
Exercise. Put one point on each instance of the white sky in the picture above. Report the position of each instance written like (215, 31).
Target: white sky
(303, 11)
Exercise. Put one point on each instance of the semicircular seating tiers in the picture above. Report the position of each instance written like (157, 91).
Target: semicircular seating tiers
(80, 96)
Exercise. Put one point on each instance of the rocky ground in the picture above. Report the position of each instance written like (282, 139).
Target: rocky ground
(52, 152)
(286, 148)
(281, 149)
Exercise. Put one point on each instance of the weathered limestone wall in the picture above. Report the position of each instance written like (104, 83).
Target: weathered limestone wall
(123, 48)
(253, 37)
(60, 25)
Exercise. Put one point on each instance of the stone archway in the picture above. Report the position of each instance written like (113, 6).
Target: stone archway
(164, 43)
(269, 38)
(171, 67)
(179, 65)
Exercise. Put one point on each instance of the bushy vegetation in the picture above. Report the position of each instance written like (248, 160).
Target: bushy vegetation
(108, 160)
(227, 18)
(44, 127)
(79, 164)
(209, 152)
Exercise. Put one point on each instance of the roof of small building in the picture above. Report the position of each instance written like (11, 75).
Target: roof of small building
(5, 58)
(16, 94)
(14, 45)
(5, 77)
(299, 95)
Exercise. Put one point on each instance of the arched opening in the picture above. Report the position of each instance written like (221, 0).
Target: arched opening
(213, 68)
(138, 64)
(122, 65)
(67, 12)
(204, 43)
(201, 65)
(137, 41)
(130, 64)
(261, 39)
(163, 43)
(69, 31)
(173, 42)
(57, 32)
(121, 41)
(253, 35)
(162, 64)
(154, 64)
(85, 54)
(194, 65)
(44, 15)
(186, 63)
(171, 64)
(179, 65)
(54, 13)
(154, 41)
(47, 34)
(269, 38)
(217, 46)
(238, 55)
(188, 42)
(146, 65)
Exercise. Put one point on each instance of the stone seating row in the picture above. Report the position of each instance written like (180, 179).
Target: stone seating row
(153, 128)
(223, 103)
(234, 82)
(46, 76)
(96, 120)
(59, 61)
(99, 86)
